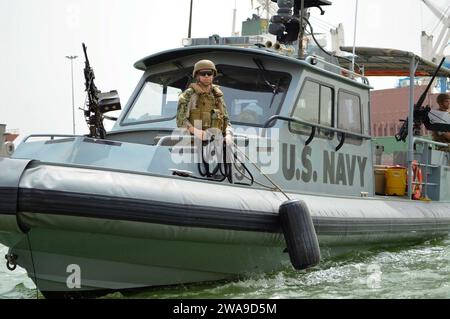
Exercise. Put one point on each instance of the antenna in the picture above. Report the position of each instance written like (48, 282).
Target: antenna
(302, 29)
(233, 31)
(354, 37)
(190, 20)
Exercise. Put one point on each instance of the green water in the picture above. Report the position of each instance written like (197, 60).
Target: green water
(405, 272)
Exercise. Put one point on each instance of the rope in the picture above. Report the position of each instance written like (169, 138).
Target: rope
(323, 49)
(260, 171)
(32, 263)
(226, 173)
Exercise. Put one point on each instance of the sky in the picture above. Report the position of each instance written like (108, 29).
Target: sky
(35, 37)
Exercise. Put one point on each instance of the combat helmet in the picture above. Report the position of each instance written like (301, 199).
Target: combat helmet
(204, 64)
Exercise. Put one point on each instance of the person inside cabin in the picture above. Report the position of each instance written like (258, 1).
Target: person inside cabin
(251, 113)
(443, 101)
(202, 106)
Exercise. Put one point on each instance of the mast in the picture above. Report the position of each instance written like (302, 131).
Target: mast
(233, 31)
(302, 30)
(354, 37)
(190, 20)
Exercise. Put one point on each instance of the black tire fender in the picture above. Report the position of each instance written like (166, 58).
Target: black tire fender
(300, 235)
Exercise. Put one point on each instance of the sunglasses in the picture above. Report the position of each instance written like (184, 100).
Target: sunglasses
(206, 73)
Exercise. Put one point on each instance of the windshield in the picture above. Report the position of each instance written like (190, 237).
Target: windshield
(157, 100)
(252, 96)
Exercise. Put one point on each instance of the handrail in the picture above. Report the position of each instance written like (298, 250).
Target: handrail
(422, 140)
(344, 134)
(313, 60)
(51, 136)
(172, 138)
(175, 137)
(427, 164)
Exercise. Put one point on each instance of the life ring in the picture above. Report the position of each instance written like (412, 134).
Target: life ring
(417, 181)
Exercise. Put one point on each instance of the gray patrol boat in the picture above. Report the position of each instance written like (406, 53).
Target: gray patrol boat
(146, 205)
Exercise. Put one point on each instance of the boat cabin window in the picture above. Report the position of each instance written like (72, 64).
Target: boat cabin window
(252, 96)
(315, 105)
(157, 101)
(349, 114)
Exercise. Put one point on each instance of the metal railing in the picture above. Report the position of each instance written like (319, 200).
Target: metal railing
(314, 60)
(425, 162)
(49, 136)
(162, 140)
(314, 126)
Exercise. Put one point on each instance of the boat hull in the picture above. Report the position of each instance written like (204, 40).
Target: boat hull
(108, 262)
(120, 230)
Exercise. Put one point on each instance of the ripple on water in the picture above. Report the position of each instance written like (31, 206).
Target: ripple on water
(14, 284)
(402, 272)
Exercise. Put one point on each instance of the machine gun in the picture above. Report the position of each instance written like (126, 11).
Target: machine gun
(97, 103)
(422, 114)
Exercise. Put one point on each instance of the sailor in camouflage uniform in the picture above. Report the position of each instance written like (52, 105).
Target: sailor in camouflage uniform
(443, 101)
(202, 108)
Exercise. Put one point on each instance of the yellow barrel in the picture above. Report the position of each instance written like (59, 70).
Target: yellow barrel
(380, 181)
(396, 181)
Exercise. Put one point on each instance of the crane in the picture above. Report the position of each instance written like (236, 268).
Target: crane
(269, 7)
(444, 36)
(436, 52)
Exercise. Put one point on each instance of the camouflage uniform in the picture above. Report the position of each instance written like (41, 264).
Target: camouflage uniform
(209, 108)
(439, 137)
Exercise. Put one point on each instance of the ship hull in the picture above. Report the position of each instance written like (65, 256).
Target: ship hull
(79, 229)
(110, 263)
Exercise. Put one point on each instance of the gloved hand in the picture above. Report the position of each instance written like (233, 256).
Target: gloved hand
(200, 134)
(229, 139)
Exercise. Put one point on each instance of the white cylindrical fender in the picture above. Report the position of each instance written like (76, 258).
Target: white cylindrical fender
(10, 148)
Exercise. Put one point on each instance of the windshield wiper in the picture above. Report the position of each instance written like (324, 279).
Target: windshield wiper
(274, 87)
(180, 66)
(275, 93)
(263, 70)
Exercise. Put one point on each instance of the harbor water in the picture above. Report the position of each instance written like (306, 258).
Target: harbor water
(421, 271)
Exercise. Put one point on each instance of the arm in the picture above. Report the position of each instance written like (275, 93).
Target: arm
(442, 137)
(226, 119)
(446, 136)
(182, 110)
(227, 124)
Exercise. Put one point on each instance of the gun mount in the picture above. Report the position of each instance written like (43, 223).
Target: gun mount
(98, 103)
(286, 24)
(423, 115)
